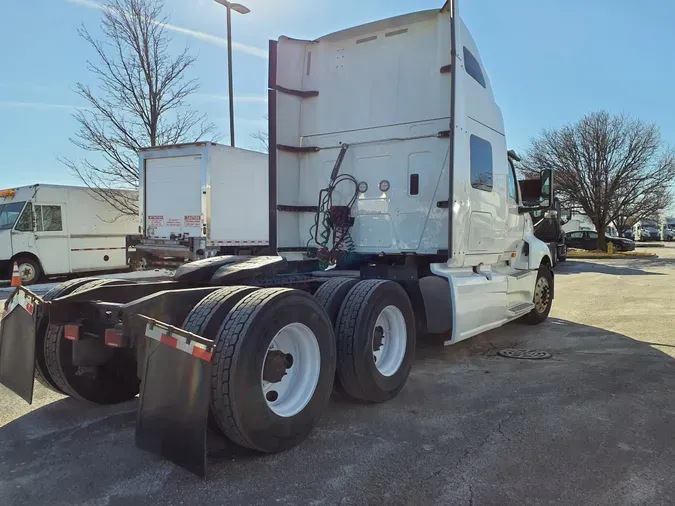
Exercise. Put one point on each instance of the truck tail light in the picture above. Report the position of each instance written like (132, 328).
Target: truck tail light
(113, 338)
(71, 332)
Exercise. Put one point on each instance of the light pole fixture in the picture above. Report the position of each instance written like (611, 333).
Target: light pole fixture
(241, 9)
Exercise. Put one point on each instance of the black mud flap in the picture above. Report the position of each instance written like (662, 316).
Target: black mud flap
(175, 392)
(17, 342)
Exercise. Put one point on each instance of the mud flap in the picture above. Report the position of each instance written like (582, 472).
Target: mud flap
(17, 342)
(175, 393)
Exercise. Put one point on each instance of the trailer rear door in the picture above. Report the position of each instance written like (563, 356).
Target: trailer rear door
(173, 196)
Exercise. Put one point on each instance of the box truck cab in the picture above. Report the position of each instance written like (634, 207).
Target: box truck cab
(52, 230)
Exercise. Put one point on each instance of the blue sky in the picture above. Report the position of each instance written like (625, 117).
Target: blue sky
(550, 61)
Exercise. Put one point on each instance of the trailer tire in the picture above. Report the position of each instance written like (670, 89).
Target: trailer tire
(114, 382)
(540, 312)
(371, 305)
(209, 314)
(41, 374)
(332, 294)
(241, 409)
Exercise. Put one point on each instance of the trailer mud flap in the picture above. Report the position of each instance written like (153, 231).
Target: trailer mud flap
(175, 393)
(17, 342)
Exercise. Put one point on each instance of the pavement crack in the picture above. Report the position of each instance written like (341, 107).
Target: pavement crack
(470, 493)
(500, 429)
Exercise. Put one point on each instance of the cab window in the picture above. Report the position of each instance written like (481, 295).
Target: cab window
(25, 222)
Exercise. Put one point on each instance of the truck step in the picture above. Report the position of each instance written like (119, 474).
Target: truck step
(520, 309)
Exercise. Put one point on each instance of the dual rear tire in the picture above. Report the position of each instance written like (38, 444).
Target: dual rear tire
(277, 351)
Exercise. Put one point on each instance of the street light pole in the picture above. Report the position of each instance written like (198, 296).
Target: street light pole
(229, 72)
(241, 9)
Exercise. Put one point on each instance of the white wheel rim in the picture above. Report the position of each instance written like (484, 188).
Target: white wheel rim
(26, 272)
(541, 295)
(389, 356)
(296, 388)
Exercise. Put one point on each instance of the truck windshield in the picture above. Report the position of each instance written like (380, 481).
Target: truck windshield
(9, 213)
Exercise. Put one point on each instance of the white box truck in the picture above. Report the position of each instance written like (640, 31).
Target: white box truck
(393, 213)
(201, 200)
(55, 229)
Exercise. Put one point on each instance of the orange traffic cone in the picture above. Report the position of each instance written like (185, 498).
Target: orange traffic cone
(16, 277)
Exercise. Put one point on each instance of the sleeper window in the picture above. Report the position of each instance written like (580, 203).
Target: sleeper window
(473, 67)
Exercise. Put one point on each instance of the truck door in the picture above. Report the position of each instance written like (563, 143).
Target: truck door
(514, 221)
(23, 234)
(51, 237)
(487, 190)
(173, 197)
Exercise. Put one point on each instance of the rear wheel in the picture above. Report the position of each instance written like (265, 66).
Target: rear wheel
(543, 297)
(112, 382)
(375, 340)
(273, 369)
(332, 293)
(41, 374)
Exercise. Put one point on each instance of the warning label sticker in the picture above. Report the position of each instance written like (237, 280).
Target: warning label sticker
(173, 222)
(155, 221)
(192, 221)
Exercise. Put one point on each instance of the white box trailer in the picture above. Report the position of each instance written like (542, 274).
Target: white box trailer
(56, 229)
(201, 200)
(394, 212)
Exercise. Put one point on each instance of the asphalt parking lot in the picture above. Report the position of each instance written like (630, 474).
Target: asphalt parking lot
(592, 425)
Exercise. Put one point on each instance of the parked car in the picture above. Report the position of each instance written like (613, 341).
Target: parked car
(628, 234)
(588, 240)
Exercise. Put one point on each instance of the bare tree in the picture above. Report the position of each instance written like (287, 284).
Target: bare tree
(643, 206)
(139, 100)
(609, 166)
(263, 139)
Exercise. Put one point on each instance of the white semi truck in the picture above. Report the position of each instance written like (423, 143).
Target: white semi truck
(393, 213)
(667, 229)
(200, 200)
(646, 230)
(56, 229)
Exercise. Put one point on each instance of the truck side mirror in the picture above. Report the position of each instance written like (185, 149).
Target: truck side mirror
(546, 181)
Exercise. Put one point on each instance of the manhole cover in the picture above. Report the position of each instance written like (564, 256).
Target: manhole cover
(526, 354)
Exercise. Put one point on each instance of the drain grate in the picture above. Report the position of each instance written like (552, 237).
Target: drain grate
(525, 354)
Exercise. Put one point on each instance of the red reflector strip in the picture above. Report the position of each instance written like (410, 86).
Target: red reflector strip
(96, 249)
(171, 341)
(71, 332)
(202, 353)
(178, 339)
(113, 338)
